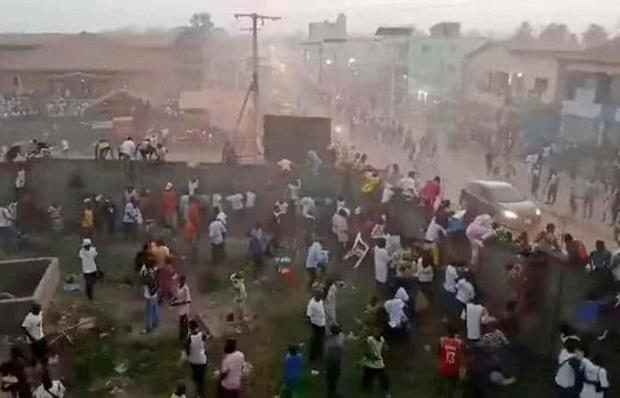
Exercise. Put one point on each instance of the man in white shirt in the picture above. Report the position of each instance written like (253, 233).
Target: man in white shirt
(308, 207)
(569, 364)
(596, 381)
(127, 150)
(409, 186)
(465, 292)
(217, 237)
(315, 261)
(395, 309)
(382, 259)
(33, 329)
(197, 357)
(315, 312)
(236, 201)
(475, 315)
(182, 300)
(87, 255)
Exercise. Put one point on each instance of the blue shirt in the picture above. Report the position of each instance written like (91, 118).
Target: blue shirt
(315, 255)
(292, 369)
(600, 259)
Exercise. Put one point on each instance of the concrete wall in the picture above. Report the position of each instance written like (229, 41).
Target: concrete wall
(30, 280)
(50, 180)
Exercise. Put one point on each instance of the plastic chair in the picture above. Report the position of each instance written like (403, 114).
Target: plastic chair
(360, 250)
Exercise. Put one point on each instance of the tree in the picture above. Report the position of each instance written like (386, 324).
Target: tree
(524, 32)
(594, 35)
(201, 20)
(555, 33)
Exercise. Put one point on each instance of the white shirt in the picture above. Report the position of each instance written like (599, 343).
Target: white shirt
(6, 220)
(409, 186)
(451, 275)
(316, 312)
(88, 260)
(294, 190)
(128, 147)
(182, 295)
(387, 194)
(223, 217)
(192, 186)
(20, 180)
(250, 199)
(197, 354)
(565, 375)
(425, 274)
(217, 200)
(131, 214)
(58, 389)
(593, 374)
(396, 314)
(434, 232)
(464, 291)
(382, 258)
(474, 316)
(236, 201)
(402, 294)
(34, 325)
(232, 365)
(615, 265)
(216, 232)
(307, 207)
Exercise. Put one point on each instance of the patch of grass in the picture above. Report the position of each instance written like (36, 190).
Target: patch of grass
(152, 364)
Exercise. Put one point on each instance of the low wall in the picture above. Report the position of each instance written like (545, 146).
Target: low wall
(29, 280)
(67, 181)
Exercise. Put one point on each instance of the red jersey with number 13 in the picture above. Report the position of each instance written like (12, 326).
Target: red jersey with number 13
(450, 356)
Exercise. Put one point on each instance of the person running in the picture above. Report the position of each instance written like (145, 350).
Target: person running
(595, 379)
(151, 296)
(88, 254)
(333, 360)
(315, 261)
(569, 367)
(315, 312)
(33, 329)
(382, 259)
(292, 372)
(182, 300)
(373, 364)
(13, 372)
(197, 357)
(217, 237)
(231, 370)
(450, 354)
(475, 315)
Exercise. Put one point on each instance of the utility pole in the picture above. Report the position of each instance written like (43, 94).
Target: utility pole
(256, 144)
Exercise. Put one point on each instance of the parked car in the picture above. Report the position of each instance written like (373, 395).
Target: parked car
(502, 201)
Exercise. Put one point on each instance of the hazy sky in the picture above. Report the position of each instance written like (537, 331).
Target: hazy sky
(363, 15)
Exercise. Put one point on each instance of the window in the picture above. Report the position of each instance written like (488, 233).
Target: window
(425, 49)
(451, 69)
(541, 85)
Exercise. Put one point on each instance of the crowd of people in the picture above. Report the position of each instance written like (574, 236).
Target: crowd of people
(415, 271)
